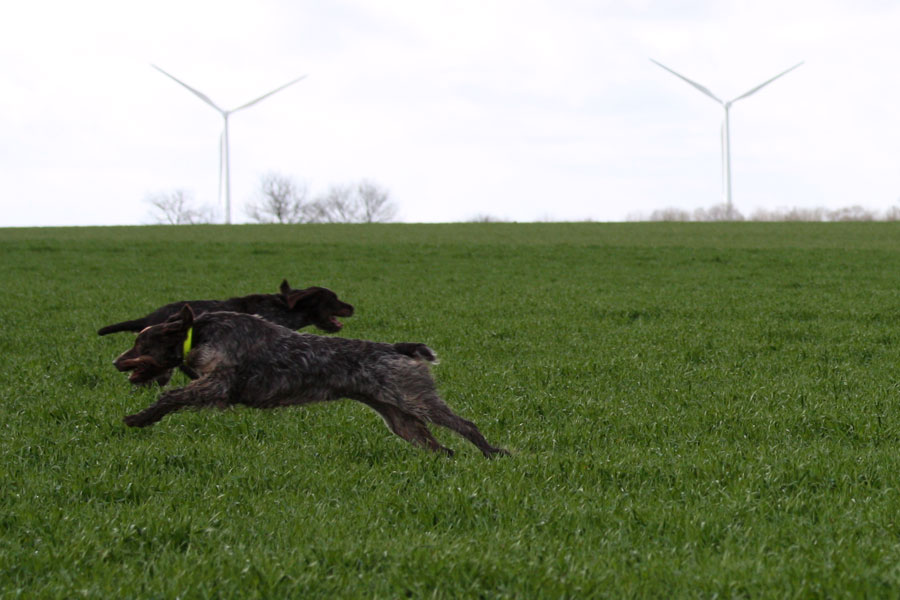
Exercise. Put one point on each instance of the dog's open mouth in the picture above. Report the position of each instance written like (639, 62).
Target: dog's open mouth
(143, 369)
(141, 376)
(333, 324)
(330, 324)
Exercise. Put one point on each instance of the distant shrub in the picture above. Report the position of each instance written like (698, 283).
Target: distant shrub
(722, 212)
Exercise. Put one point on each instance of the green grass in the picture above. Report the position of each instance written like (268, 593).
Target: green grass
(694, 410)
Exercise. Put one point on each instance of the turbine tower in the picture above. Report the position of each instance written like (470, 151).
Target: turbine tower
(224, 160)
(726, 128)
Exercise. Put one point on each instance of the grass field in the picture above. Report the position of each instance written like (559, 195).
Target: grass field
(694, 410)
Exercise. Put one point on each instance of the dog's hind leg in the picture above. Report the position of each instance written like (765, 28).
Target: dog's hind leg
(200, 393)
(437, 411)
(410, 428)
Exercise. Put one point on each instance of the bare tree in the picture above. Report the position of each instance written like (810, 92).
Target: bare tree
(851, 213)
(375, 204)
(892, 214)
(670, 214)
(364, 202)
(334, 206)
(281, 200)
(718, 212)
(177, 208)
(789, 214)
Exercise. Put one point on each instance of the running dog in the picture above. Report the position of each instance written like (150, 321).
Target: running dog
(292, 308)
(244, 359)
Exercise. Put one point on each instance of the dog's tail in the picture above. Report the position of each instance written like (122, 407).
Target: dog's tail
(135, 325)
(417, 351)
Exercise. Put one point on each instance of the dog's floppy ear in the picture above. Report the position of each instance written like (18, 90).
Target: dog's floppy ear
(187, 315)
(301, 296)
(182, 320)
(285, 287)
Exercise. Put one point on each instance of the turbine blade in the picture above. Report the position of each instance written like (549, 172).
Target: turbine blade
(693, 83)
(199, 94)
(765, 83)
(264, 96)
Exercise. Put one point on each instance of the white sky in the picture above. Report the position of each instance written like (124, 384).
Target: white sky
(524, 110)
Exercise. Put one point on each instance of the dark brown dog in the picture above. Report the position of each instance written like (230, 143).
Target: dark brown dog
(243, 359)
(291, 308)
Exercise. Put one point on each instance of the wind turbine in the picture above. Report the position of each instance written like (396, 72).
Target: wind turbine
(224, 161)
(726, 129)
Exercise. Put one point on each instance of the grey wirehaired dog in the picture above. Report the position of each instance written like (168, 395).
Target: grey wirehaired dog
(289, 307)
(244, 359)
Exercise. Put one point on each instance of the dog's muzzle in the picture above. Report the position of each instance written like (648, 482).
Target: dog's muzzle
(144, 368)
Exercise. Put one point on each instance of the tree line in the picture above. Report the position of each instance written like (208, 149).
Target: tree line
(281, 199)
(723, 212)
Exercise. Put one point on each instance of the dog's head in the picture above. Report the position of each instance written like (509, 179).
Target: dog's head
(317, 305)
(157, 348)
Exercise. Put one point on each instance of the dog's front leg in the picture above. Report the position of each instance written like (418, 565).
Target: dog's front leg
(201, 392)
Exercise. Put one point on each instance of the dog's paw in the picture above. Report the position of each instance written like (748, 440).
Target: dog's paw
(496, 452)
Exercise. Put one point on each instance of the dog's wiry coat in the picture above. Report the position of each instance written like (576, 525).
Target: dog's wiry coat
(243, 359)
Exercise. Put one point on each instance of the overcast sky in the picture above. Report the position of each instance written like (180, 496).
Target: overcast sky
(523, 110)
